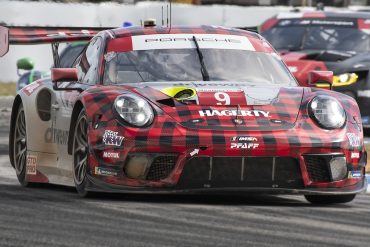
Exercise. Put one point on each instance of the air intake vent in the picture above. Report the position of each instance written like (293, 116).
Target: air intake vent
(161, 167)
(317, 168)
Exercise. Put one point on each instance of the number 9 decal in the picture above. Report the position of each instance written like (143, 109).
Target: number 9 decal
(223, 98)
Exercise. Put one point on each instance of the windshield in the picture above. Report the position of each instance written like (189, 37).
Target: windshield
(295, 38)
(184, 65)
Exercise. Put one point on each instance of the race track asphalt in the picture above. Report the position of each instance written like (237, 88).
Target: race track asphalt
(47, 215)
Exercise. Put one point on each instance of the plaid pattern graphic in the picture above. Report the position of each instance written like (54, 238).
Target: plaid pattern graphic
(282, 128)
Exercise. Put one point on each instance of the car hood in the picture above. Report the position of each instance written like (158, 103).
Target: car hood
(249, 106)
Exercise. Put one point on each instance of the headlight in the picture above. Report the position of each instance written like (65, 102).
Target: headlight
(327, 112)
(134, 110)
(345, 79)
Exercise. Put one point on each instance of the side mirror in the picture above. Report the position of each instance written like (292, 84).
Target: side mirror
(25, 63)
(64, 74)
(321, 78)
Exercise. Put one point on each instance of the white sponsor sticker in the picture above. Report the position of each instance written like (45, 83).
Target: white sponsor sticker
(111, 155)
(355, 155)
(105, 172)
(112, 138)
(355, 174)
(354, 140)
(240, 113)
(31, 165)
(243, 139)
(363, 93)
(185, 41)
(244, 145)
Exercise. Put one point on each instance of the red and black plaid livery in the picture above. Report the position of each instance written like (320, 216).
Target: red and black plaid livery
(288, 132)
(296, 136)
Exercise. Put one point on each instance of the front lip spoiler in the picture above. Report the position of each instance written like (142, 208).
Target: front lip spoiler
(96, 185)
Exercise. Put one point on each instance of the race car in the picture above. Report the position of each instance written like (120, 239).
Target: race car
(202, 109)
(322, 40)
(67, 57)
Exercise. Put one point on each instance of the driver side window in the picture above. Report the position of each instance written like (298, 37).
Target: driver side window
(88, 66)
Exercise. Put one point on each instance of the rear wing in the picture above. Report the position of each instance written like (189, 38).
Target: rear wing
(28, 35)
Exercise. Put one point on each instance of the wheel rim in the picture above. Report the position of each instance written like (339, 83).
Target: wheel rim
(20, 143)
(80, 153)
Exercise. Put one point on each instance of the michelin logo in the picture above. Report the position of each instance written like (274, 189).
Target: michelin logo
(239, 113)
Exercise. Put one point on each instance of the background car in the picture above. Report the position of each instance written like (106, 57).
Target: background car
(67, 56)
(185, 109)
(323, 40)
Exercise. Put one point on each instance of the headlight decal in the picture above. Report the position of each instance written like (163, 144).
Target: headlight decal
(327, 112)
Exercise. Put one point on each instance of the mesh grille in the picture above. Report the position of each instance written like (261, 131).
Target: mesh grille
(161, 167)
(317, 169)
(204, 172)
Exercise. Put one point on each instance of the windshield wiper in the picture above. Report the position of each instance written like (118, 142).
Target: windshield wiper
(203, 69)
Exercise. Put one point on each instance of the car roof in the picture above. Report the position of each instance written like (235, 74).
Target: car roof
(204, 29)
(324, 14)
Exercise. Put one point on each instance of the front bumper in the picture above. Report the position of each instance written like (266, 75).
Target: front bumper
(97, 185)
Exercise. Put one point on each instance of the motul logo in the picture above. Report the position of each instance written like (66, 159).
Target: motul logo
(239, 113)
(111, 155)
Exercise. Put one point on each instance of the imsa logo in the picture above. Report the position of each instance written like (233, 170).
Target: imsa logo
(239, 113)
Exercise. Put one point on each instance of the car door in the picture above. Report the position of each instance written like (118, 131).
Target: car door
(87, 65)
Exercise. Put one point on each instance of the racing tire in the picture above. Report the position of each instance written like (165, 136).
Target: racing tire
(329, 199)
(20, 146)
(80, 154)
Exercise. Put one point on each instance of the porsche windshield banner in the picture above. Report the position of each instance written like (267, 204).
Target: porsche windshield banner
(185, 41)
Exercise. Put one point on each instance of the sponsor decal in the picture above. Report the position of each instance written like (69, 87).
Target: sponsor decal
(58, 136)
(185, 41)
(363, 93)
(219, 90)
(355, 155)
(355, 174)
(82, 32)
(112, 138)
(354, 140)
(31, 165)
(28, 90)
(113, 155)
(249, 145)
(332, 23)
(244, 142)
(239, 113)
(208, 84)
(243, 139)
(105, 171)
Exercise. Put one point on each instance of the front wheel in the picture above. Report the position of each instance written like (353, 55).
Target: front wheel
(329, 199)
(20, 146)
(80, 154)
